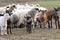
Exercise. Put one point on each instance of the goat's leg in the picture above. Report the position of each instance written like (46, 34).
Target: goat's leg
(10, 31)
(40, 24)
(48, 24)
(35, 24)
(51, 24)
(7, 30)
(30, 29)
(58, 24)
(2, 30)
(44, 24)
(27, 28)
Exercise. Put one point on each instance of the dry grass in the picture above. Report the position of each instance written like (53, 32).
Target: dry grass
(37, 34)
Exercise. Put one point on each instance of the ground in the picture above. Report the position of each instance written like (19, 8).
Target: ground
(37, 34)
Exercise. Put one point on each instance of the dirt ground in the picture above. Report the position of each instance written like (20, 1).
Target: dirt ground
(37, 34)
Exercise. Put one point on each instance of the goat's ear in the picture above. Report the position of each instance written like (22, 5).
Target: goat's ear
(56, 9)
(36, 8)
(45, 11)
(14, 6)
(7, 7)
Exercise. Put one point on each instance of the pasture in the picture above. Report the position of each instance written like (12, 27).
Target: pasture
(49, 4)
(37, 34)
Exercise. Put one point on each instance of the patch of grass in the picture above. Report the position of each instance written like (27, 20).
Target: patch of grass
(49, 4)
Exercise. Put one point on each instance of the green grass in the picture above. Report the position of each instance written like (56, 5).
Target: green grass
(49, 4)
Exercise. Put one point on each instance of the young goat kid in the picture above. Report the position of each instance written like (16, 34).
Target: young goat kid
(3, 23)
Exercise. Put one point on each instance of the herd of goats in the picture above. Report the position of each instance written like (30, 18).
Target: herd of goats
(27, 15)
